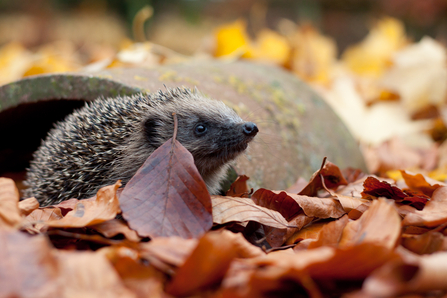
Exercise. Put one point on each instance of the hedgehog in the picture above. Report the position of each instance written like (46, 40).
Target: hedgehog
(109, 139)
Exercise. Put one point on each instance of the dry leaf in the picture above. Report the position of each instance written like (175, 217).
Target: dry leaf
(380, 224)
(309, 232)
(331, 233)
(172, 251)
(104, 207)
(140, 277)
(377, 188)
(89, 274)
(290, 204)
(426, 273)
(372, 55)
(28, 205)
(167, 196)
(239, 188)
(270, 274)
(28, 267)
(232, 39)
(209, 262)
(358, 212)
(10, 215)
(418, 182)
(426, 243)
(332, 179)
(113, 227)
(39, 218)
(228, 209)
(434, 213)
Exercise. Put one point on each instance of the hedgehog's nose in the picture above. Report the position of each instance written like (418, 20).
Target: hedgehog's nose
(250, 129)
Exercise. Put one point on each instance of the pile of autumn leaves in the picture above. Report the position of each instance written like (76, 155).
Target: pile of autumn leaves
(344, 234)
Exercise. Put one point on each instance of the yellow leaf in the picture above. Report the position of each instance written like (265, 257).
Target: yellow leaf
(314, 55)
(14, 59)
(232, 38)
(372, 56)
(272, 47)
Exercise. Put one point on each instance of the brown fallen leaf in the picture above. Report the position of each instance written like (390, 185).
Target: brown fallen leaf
(299, 210)
(426, 243)
(167, 196)
(325, 234)
(423, 274)
(380, 224)
(38, 219)
(167, 253)
(28, 205)
(328, 176)
(358, 212)
(89, 274)
(434, 213)
(239, 188)
(261, 276)
(289, 205)
(104, 207)
(418, 182)
(229, 209)
(331, 233)
(350, 203)
(276, 237)
(28, 267)
(308, 232)
(374, 187)
(10, 216)
(139, 276)
(113, 227)
(209, 262)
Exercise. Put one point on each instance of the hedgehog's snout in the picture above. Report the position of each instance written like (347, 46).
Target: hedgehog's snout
(250, 129)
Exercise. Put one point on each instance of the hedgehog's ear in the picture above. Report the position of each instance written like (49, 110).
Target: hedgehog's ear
(151, 128)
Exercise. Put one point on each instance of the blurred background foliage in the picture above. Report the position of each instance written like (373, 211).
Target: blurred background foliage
(181, 24)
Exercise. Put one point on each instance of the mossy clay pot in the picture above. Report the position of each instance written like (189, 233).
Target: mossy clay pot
(297, 129)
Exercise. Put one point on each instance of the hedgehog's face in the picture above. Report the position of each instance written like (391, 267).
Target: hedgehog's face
(212, 132)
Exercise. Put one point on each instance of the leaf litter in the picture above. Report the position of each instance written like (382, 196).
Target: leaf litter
(311, 243)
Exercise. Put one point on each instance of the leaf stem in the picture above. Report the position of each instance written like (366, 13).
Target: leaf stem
(175, 126)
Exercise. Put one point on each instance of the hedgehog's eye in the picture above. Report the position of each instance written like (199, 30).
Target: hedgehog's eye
(200, 129)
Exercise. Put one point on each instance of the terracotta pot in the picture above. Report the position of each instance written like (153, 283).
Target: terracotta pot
(297, 128)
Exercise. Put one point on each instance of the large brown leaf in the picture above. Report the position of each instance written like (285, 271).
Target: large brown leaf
(90, 212)
(377, 188)
(380, 224)
(167, 253)
(289, 205)
(426, 273)
(28, 267)
(418, 182)
(167, 196)
(279, 269)
(89, 274)
(328, 176)
(9, 208)
(28, 205)
(209, 262)
(434, 213)
(239, 188)
(37, 220)
(228, 209)
(137, 275)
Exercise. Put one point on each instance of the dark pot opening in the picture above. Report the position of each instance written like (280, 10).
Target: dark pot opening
(22, 129)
